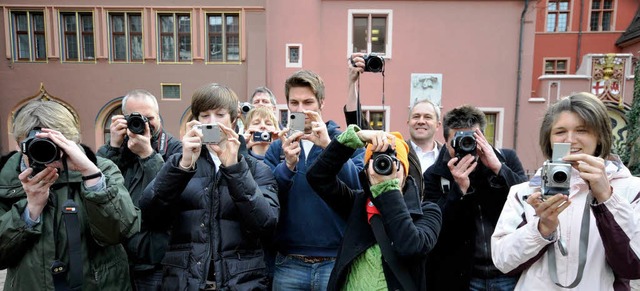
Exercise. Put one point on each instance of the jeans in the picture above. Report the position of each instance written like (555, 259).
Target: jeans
(293, 274)
(147, 280)
(500, 283)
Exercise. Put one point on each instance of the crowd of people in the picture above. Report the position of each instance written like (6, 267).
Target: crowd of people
(243, 202)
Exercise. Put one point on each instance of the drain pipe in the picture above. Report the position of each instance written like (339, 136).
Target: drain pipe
(519, 75)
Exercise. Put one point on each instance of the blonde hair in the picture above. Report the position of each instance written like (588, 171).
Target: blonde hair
(45, 114)
(260, 112)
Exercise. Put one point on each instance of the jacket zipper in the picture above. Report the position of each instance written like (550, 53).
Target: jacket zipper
(485, 247)
(210, 231)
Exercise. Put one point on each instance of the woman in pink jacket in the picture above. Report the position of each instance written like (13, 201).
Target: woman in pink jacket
(582, 233)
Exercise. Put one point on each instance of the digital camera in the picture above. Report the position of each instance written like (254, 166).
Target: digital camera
(556, 173)
(211, 133)
(246, 107)
(136, 122)
(373, 63)
(297, 121)
(39, 151)
(261, 136)
(383, 161)
(464, 143)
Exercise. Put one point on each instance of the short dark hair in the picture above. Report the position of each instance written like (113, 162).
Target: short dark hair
(465, 116)
(305, 78)
(591, 110)
(214, 96)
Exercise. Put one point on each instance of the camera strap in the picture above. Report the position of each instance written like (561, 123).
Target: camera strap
(161, 147)
(389, 256)
(582, 256)
(74, 247)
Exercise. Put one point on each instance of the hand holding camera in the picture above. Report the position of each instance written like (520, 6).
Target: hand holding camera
(220, 139)
(319, 134)
(592, 170)
(139, 135)
(291, 147)
(117, 131)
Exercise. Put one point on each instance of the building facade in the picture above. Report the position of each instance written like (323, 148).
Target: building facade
(88, 54)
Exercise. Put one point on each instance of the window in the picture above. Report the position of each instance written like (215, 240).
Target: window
(294, 55)
(28, 36)
(223, 32)
(370, 32)
(175, 37)
(601, 12)
(377, 116)
(77, 30)
(555, 66)
(490, 129)
(557, 15)
(126, 36)
(171, 91)
(107, 123)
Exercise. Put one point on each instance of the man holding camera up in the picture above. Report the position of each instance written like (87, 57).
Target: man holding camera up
(470, 181)
(309, 231)
(139, 146)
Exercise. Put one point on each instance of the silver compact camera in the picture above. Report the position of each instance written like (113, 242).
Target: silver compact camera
(556, 173)
(296, 121)
(211, 133)
(262, 136)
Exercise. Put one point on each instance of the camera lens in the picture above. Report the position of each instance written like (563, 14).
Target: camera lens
(383, 165)
(560, 176)
(468, 143)
(293, 116)
(136, 124)
(43, 151)
(209, 126)
(265, 136)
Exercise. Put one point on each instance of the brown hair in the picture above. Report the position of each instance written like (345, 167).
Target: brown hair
(214, 96)
(591, 110)
(305, 78)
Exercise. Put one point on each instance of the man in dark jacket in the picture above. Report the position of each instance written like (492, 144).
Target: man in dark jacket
(389, 196)
(139, 153)
(470, 182)
(309, 231)
(218, 203)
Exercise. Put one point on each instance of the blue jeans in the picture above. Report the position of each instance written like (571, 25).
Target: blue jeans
(500, 283)
(293, 274)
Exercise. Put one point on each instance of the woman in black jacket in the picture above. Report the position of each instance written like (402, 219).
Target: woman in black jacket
(218, 203)
(388, 202)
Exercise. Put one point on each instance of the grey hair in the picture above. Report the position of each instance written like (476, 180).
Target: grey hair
(139, 94)
(266, 90)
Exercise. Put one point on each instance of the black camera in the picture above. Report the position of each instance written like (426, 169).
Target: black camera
(136, 122)
(556, 173)
(383, 161)
(39, 151)
(373, 63)
(246, 107)
(464, 143)
(262, 136)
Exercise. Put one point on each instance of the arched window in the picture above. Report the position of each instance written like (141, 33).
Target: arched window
(103, 120)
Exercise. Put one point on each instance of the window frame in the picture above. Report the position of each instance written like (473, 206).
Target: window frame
(499, 125)
(79, 35)
(31, 33)
(555, 66)
(162, 85)
(371, 13)
(224, 36)
(557, 13)
(289, 63)
(601, 11)
(128, 35)
(367, 109)
(175, 34)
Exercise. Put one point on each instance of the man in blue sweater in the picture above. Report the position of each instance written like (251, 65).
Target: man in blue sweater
(309, 231)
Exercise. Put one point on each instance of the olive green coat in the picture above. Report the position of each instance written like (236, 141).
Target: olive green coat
(106, 218)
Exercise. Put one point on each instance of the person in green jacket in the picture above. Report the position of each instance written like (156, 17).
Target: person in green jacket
(41, 249)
